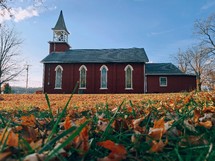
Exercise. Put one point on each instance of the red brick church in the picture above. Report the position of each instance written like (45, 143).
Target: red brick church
(107, 70)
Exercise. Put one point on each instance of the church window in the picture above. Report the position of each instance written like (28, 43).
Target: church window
(128, 77)
(103, 70)
(83, 77)
(58, 77)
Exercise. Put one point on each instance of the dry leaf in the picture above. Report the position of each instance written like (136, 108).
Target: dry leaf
(158, 146)
(67, 123)
(35, 157)
(118, 152)
(29, 133)
(196, 116)
(28, 120)
(10, 137)
(189, 126)
(81, 142)
(206, 124)
(158, 129)
(4, 155)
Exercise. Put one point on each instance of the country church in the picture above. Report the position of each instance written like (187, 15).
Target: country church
(123, 70)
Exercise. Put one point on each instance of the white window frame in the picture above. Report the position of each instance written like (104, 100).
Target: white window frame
(126, 77)
(160, 82)
(106, 79)
(56, 76)
(85, 68)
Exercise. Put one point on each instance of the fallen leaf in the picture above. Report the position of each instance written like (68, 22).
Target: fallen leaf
(67, 123)
(28, 120)
(118, 152)
(158, 129)
(206, 124)
(196, 116)
(10, 137)
(158, 146)
(4, 155)
(35, 157)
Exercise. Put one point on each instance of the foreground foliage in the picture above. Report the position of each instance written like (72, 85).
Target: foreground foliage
(150, 127)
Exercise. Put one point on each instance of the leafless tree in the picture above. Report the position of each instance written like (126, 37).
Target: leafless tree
(180, 60)
(195, 60)
(205, 30)
(10, 66)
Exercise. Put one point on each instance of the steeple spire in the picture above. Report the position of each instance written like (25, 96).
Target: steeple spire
(60, 36)
(60, 31)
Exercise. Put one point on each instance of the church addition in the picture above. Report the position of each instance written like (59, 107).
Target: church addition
(124, 70)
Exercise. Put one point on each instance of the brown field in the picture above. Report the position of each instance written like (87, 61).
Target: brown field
(23, 101)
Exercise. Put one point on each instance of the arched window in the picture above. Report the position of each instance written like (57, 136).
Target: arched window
(103, 70)
(128, 77)
(58, 77)
(83, 77)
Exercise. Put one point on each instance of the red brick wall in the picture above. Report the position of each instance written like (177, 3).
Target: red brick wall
(174, 84)
(116, 78)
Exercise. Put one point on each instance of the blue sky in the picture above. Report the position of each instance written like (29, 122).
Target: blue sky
(161, 27)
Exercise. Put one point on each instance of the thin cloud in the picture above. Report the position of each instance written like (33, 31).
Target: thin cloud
(18, 14)
(207, 5)
(161, 32)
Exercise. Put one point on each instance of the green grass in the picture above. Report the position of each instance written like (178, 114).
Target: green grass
(179, 147)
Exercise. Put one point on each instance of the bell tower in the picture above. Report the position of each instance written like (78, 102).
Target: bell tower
(60, 36)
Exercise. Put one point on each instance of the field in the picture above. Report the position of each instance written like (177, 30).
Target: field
(135, 127)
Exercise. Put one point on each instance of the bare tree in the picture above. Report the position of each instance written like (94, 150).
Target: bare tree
(205, 30)
(10, 66)
(180, 60)
(195, 60)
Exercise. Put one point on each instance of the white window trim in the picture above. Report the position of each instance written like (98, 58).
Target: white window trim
(103, 66)
(160, 82)
(129, 66)
(83, 66)
(59, 66)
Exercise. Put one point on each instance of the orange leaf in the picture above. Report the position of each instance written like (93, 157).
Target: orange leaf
(159, 123)
(158, 129)
(156, 133)
(118, 152)
(67, 123)
(28, 120)
(116, 148)
(13, 139)
(196, 115)
(158, 146)
(206, 124)
(82, 141)
(10, 137)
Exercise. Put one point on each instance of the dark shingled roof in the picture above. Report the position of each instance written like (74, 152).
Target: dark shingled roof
(129, 55)
(162, 69)
(60, 25)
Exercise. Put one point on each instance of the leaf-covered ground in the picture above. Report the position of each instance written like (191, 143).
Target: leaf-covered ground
(108, 127)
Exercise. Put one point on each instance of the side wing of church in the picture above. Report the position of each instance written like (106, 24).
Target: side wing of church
(107, 70)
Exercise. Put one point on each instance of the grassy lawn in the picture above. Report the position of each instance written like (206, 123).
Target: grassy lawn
(108, 127)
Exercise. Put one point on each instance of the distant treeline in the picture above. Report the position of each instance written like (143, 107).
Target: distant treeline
(22, 90)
